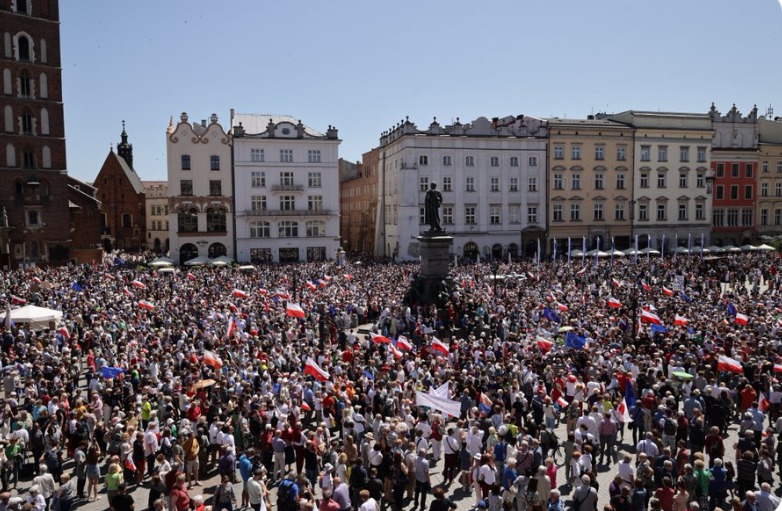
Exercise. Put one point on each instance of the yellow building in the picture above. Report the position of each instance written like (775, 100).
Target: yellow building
(590, 183)
(769, 203)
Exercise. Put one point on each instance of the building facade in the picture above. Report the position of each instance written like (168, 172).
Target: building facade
(200, 190)
(672, 182)
(123, 200)
(287, 189)
(86, 220)
(769, 201)
(734, 164)
(157, 216)
(34, 184)
(590, 184)
(359, 200)
(492, 178)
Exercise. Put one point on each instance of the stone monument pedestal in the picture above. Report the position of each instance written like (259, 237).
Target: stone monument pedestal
(433, 283)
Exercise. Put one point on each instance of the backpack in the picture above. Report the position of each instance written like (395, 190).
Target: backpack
(669, 427)
(549, 440)
(285, 499)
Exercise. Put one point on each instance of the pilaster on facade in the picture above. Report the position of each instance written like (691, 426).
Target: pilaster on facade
(287, 189)
(200, 190)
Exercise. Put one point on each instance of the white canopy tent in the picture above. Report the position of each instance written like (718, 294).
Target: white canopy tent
(39, 318)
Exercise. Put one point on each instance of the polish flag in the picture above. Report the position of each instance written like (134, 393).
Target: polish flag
(327, 278)
(63, 330)
(741, 319)
(394, 351)
(562, 307)
(550, 298)
(238, 293)
(763, 403)
(321, 282)
(667, 292)
(231, 327)
(294, 310)
(581, 271)
(283, 295)
(645, 286)
(624, 411)
(379, 339)
(614, 303)
(403, 344)
(190, 276)
(348, 276)
(149, 306)
(127, 291)
(211, 359)
(263, 292)
(37, 280)
(305, 406)
(314, 370)
(138, 284)
(16, 300)
(544, 344)
(233, 307)
(650, 317)
(562, 402)
(311, 286)
(616, 283)
(439, 346)
(729, 365)
(778, 368)
(679, 320)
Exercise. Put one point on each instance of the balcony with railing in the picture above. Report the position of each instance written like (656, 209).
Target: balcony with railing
(287, 188)
(287, 212)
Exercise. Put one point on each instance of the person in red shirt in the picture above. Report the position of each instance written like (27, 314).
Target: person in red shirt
(665, 495)
(194, 412)
(748, 396)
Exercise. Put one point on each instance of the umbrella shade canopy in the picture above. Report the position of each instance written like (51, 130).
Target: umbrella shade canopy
(616, 253)
(681, 250)
(218, 263)
(204, 383)
(576, 252)
(161, 262)
(39, 318)
(731, 248)
(221, 261)
(765, 247)
(599, 253)
(747, 248)
(650, 251)
(682, 374)
(631, 251)
(166, 269)
(197, 261)
(247, 268)
(565, 329)
(715, 249)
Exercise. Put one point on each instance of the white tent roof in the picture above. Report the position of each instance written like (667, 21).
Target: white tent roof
(39, 318)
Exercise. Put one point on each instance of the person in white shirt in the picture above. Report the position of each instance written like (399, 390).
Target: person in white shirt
(35, 499)
(626, 470)
(367, 502)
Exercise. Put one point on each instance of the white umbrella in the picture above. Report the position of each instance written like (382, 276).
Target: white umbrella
(765, 247)
(39, 318)
(599, 253)
(650, 251)
(247, 268)
(747, 248)
(715, 249)
(167, 269)
(617, 253)
(631, 251)
(161, 262)
(197, 261)
(576, 253)
(221, 261)
(681, 250)
(732, 248)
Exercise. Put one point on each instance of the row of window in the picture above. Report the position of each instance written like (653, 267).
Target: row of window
(735, 169)
(187, 220)
(258, 155)
(28, 160)
(495, 214)
(469, 184)
(258, 179)
(25, 124)
(25, 85)
(214, 162)
(159, 225)
(764, 189)
(186, 187)
(719, 192)
(159, 210)
(287, 203)
(621, 152)
(764, 166)
(730, 217)
(21, 47)
(287, 229)
(598, 213)
(777, 217)
(469, 161)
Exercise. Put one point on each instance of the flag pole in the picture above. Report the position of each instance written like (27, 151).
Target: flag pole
(583, 250)
(568, 251)
(662, 247)
(635, 255)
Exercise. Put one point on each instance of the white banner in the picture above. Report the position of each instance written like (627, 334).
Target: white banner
(678, 282)
(441, 391)
(442, 404)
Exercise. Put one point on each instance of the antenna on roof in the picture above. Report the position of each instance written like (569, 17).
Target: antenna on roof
(769, 112)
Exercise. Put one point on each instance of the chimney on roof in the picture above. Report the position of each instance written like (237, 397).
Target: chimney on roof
(203, 123)
(494, 121)
(590, 117)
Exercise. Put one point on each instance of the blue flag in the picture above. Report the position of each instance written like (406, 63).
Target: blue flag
(112, 372)
(732, 309)
(575, 341)
(685, 297)
(551, 315)
(369, 374)
(77, 287)
(659, 329)
(630, 399)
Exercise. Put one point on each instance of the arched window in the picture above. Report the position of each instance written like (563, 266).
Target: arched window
(27, 122)
(10, 156)
(9, 45)
(43, 84)
(188, 220)
(23, 6)
(215, 220)
(470, 250)
(44, 121)
(28, 159)
(216, 250)
(316, 228)
(127, 220)
(8, 87)
(289, 229)
(8, 115)
(46, 157)
(24, 50)
(44, 52)
(187, 252)
(260, 230)
(25, 87)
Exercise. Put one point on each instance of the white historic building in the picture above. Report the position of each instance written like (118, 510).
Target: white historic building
(199, 190)
(287, 189)
(492, 176)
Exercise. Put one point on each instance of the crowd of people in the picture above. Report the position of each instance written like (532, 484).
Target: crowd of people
(303, 381)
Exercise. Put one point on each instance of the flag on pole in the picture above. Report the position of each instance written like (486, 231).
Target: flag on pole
(650, 317)
(294, 310)
(679, 320)
(484, 403)
(63, 331)
(238, 293)
(568, 250)
(732, 309)
(741, 319)
(138, 284)
(16, 300)
(439, 346)
(190, 276)
(395, 351)
(624, 411)
(231, 326)
(144, 304)
(403, 343)
(544, 344)
(211, 359)
(630, 398)
(110, 373)
(729, 365)
(314, 370)
(658, 329)
(575, 341)
(667, 292)
(614, 303)
(379, 339)
(763, 402)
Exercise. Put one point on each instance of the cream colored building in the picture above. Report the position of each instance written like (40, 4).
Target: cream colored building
(672, 181)
(157, 215)
(769, 203)
(590, 183)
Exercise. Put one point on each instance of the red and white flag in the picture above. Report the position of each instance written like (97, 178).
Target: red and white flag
(263, 292)
(544, 344)
(679, 320)
(305, 406)
(729, 365)
(314, 370)
(624, 411)
(138, 284)
(238, 293)
(231, 327)
(233, 307)
(741, 319)
(294, 310)
(650, 317)
(439, 346)
(763, 402)
(190, 276)
(282, 295)
(562, 402)
(778, 368)
(211, 359)
(311, 286)
(37, 280)
(109, 276)
(616, 283)
(348, 276)
(403, 343)
(379, 339)
(16, 300)
(614, 303)
(581, 271)
(667, 292)
(63, 330)
(143, 304)
(645, 286)
(127, 291)
(397, 353)
(562, 307)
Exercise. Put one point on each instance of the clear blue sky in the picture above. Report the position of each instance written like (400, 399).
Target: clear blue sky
(363, 65)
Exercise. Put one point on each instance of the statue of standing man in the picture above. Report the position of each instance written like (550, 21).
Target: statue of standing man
(432, 204)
